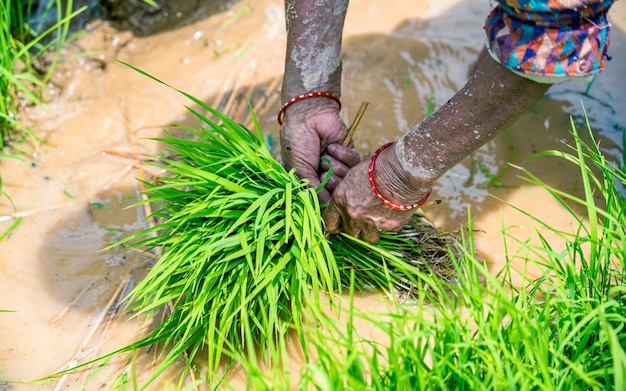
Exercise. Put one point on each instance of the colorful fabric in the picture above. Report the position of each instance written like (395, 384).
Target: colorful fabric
(550, 38)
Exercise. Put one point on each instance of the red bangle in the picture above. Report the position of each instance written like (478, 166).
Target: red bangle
(389, 203)
(298, 98)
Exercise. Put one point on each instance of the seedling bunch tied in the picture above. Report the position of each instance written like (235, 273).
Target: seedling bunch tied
(244, 254)
(240, 234)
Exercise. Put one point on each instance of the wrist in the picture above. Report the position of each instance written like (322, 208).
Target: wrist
(394, 183)
(291, 90)
(295, 109)
(410, 161)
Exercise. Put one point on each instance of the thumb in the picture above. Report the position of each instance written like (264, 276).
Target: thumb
(308, 173)
(332, 217)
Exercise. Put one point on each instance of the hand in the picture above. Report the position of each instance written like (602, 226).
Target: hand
(312, 130)
(342, 160)
(357, 211)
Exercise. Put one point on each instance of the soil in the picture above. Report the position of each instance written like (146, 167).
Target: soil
(73, 193)
(143, 19)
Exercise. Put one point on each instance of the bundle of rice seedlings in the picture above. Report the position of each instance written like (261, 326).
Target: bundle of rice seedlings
(243, 253)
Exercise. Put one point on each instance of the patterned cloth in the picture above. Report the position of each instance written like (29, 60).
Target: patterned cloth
(550, 38)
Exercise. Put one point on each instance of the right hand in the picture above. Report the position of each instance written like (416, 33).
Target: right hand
(312, 129)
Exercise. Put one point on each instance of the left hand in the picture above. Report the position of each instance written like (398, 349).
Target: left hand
(355, 209)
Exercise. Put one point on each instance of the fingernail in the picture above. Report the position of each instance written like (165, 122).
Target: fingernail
(332, 183)
(323, 197)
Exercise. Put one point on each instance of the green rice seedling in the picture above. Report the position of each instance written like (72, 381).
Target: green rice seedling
(240, 238)
(20, 81)
(8, 197)
(21, 46)
(11, 228)
(243, 256)
(563, 331)
(408, 77)
(247, 9)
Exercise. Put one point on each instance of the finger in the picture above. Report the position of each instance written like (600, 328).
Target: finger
(294, 157)
(332, 218)
(332, 182)
(348, 156)
(323, 195)
(308, 173)
(397, 228)
(370, 235)
(340, 169)
(326, 162)
(352, 230)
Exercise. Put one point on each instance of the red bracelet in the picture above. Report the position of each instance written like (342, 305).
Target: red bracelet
(302, 97)
(389, 203)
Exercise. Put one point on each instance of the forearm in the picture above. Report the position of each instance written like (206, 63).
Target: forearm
(313, 59)
(496, 95)
(493, 98)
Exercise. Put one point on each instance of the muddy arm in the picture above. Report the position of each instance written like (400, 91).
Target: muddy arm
(313, 59)
(493, 98)
(312, 127)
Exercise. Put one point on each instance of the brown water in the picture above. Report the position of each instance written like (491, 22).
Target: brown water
(72, 191)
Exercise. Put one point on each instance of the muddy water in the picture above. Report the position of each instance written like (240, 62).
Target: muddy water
(71, 192)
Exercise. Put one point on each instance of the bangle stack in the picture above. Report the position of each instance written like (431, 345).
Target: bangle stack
(387, 202)
(298, 98)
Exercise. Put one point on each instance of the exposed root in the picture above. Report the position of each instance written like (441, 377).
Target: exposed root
(440, 255)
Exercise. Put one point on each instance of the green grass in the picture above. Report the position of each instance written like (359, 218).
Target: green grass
(563, 331)
(243, 256)
(244, 260)
(13, 226)
(22, 46)
(21, 80)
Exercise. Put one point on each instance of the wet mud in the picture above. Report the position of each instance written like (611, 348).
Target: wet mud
(73, 194)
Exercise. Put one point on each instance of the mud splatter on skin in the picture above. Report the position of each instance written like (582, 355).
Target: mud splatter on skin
(467, 121)
(409, 158)
(81, 125)
(317, 66)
